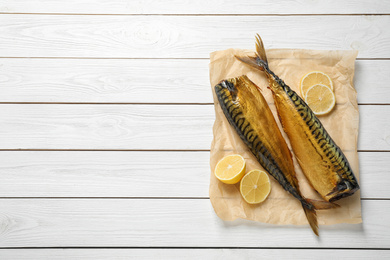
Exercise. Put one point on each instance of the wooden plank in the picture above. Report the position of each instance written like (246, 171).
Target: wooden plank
(378, 136)
(108, 81)
(106, 126)
(198, 7)
(370, 81)
(374, 167)
(137, 174)
(185, 253)
(185, 36)
(135, 127)
(137, 81)
(104, 174)
(170, 223)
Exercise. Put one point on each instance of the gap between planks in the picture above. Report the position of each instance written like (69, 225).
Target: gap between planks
(135, 58)
(215, 14)
(134, 103)
(200, 248)
(139, 150)
(100, 103)
(117, 198)
(134, 198)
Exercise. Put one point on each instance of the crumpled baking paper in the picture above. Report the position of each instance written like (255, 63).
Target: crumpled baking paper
(342, 125)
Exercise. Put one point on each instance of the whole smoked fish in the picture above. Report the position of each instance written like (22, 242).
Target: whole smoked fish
(321, 160)
(249, 114)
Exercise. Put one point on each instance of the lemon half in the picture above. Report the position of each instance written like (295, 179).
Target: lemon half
(230, 169)
(255, 186)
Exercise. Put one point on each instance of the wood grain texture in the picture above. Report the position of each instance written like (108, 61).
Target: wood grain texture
(108, 81)
(185, 253)
(106, 126)
(141, 81)
(185, 36)
(109, 51)
(104, 174)
(370, 81)
(165, 223)
(139, 127)
(137, 174)
(197, 7)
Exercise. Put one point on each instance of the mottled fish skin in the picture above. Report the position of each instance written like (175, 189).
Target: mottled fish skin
(318, 155)
(322, 161)
(260, 147)
(249, 114)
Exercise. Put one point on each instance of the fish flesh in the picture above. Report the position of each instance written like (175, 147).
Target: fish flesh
(322, 161)
(248, 113)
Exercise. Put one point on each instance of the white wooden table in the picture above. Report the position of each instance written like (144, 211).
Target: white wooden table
(106, 121)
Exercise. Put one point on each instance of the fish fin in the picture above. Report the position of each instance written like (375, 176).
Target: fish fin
(311, 216)
(260, 61)
(341, 186)
(273, 92)
(322, 204)
(251, 61)
(260, 50)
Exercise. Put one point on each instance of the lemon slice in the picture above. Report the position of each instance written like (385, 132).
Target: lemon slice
(314, 78)
(320, 99)
(230, 169)
(255, 186)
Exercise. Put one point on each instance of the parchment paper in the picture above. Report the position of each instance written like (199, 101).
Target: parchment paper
(342, 125)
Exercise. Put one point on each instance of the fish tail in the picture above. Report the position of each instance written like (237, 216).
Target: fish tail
(260, 51)
(322, 204)
(252, 61)
(311, 216)
(260, 61)
(310, 206)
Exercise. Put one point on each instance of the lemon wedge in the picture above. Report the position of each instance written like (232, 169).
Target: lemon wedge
(230, 169)
(255, 186)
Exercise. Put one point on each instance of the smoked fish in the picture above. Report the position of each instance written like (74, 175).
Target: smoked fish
(321, 160)
(249, 114)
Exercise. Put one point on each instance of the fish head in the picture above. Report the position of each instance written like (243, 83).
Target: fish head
(227, 89)
(240, 91)
(229, 85)
(344, 188)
